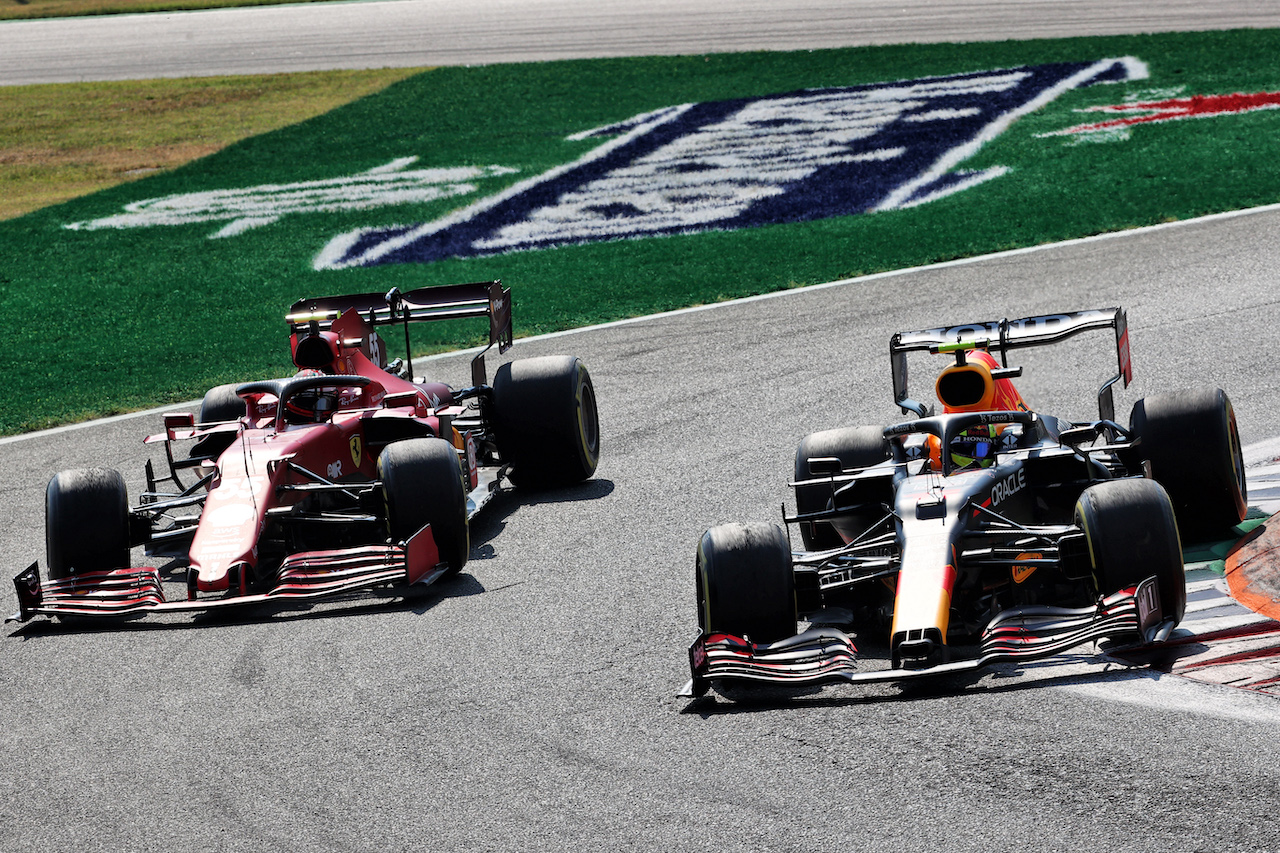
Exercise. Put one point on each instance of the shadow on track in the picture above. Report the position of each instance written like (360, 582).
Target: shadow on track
(416, 599)
(1005, 679)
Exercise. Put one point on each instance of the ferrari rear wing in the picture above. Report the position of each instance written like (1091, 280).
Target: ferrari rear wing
(1000, 336)
(446, 302)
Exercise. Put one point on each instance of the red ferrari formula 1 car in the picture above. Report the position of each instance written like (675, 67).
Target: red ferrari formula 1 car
(349, 475)
(982, 534)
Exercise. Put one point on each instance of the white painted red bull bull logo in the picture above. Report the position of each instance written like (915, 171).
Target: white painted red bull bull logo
(696, 167)
(746, 162)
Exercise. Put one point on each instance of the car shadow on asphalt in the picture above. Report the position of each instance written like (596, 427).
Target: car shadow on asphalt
(488, 526)
(1006, 679)
(418, 599)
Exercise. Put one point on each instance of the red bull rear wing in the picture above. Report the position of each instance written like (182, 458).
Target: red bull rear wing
(1001, 336)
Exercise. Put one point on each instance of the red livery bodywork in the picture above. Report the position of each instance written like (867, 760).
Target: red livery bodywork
(349, 475)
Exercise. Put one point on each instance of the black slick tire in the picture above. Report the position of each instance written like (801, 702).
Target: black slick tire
(422, 484)
(544, 420)
(1192, 444)
(220, 403)
(745, 582)
(86, 522)
(1132, 535)
(855, 447)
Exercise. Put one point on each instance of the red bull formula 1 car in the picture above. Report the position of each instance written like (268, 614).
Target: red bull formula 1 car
(982, 534)
(350, 475)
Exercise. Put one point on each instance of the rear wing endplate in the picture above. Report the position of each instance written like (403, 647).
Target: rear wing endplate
(447, 302)
(1000, 336)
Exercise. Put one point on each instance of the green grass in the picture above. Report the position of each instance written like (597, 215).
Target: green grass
(112, 320)
(62, 141)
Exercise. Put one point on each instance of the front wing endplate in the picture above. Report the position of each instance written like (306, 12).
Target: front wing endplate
(307, 575)
(828, 655)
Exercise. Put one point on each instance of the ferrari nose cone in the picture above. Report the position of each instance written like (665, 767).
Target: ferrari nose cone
(211, 579)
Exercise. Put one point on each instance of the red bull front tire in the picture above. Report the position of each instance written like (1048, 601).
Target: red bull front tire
(1132, 534)
(745, 582)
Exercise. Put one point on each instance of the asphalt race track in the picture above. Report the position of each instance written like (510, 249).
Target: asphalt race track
(415, 33)
(529, 703)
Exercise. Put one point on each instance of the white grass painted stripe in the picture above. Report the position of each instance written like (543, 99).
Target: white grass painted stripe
(251, 207)
(329, 255)
(1137, 70)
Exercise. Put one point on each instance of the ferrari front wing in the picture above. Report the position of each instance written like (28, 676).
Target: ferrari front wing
(307, 575)
(828, 655)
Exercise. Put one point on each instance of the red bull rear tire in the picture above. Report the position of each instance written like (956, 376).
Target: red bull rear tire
(1192, 444)
(855, 447)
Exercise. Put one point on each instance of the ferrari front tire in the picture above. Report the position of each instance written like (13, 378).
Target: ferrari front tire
(422, 484)
(1192, 444)
(745, 582)
(86, 517)
(545, 422)
(220, 403)
(1132, 534)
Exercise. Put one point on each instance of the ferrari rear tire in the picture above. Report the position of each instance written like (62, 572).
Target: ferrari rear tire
(86, 518)
(1192, 444)
(855, 447)
(1132, 534)
(422, 484)
(745, 582)
(545, 422)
